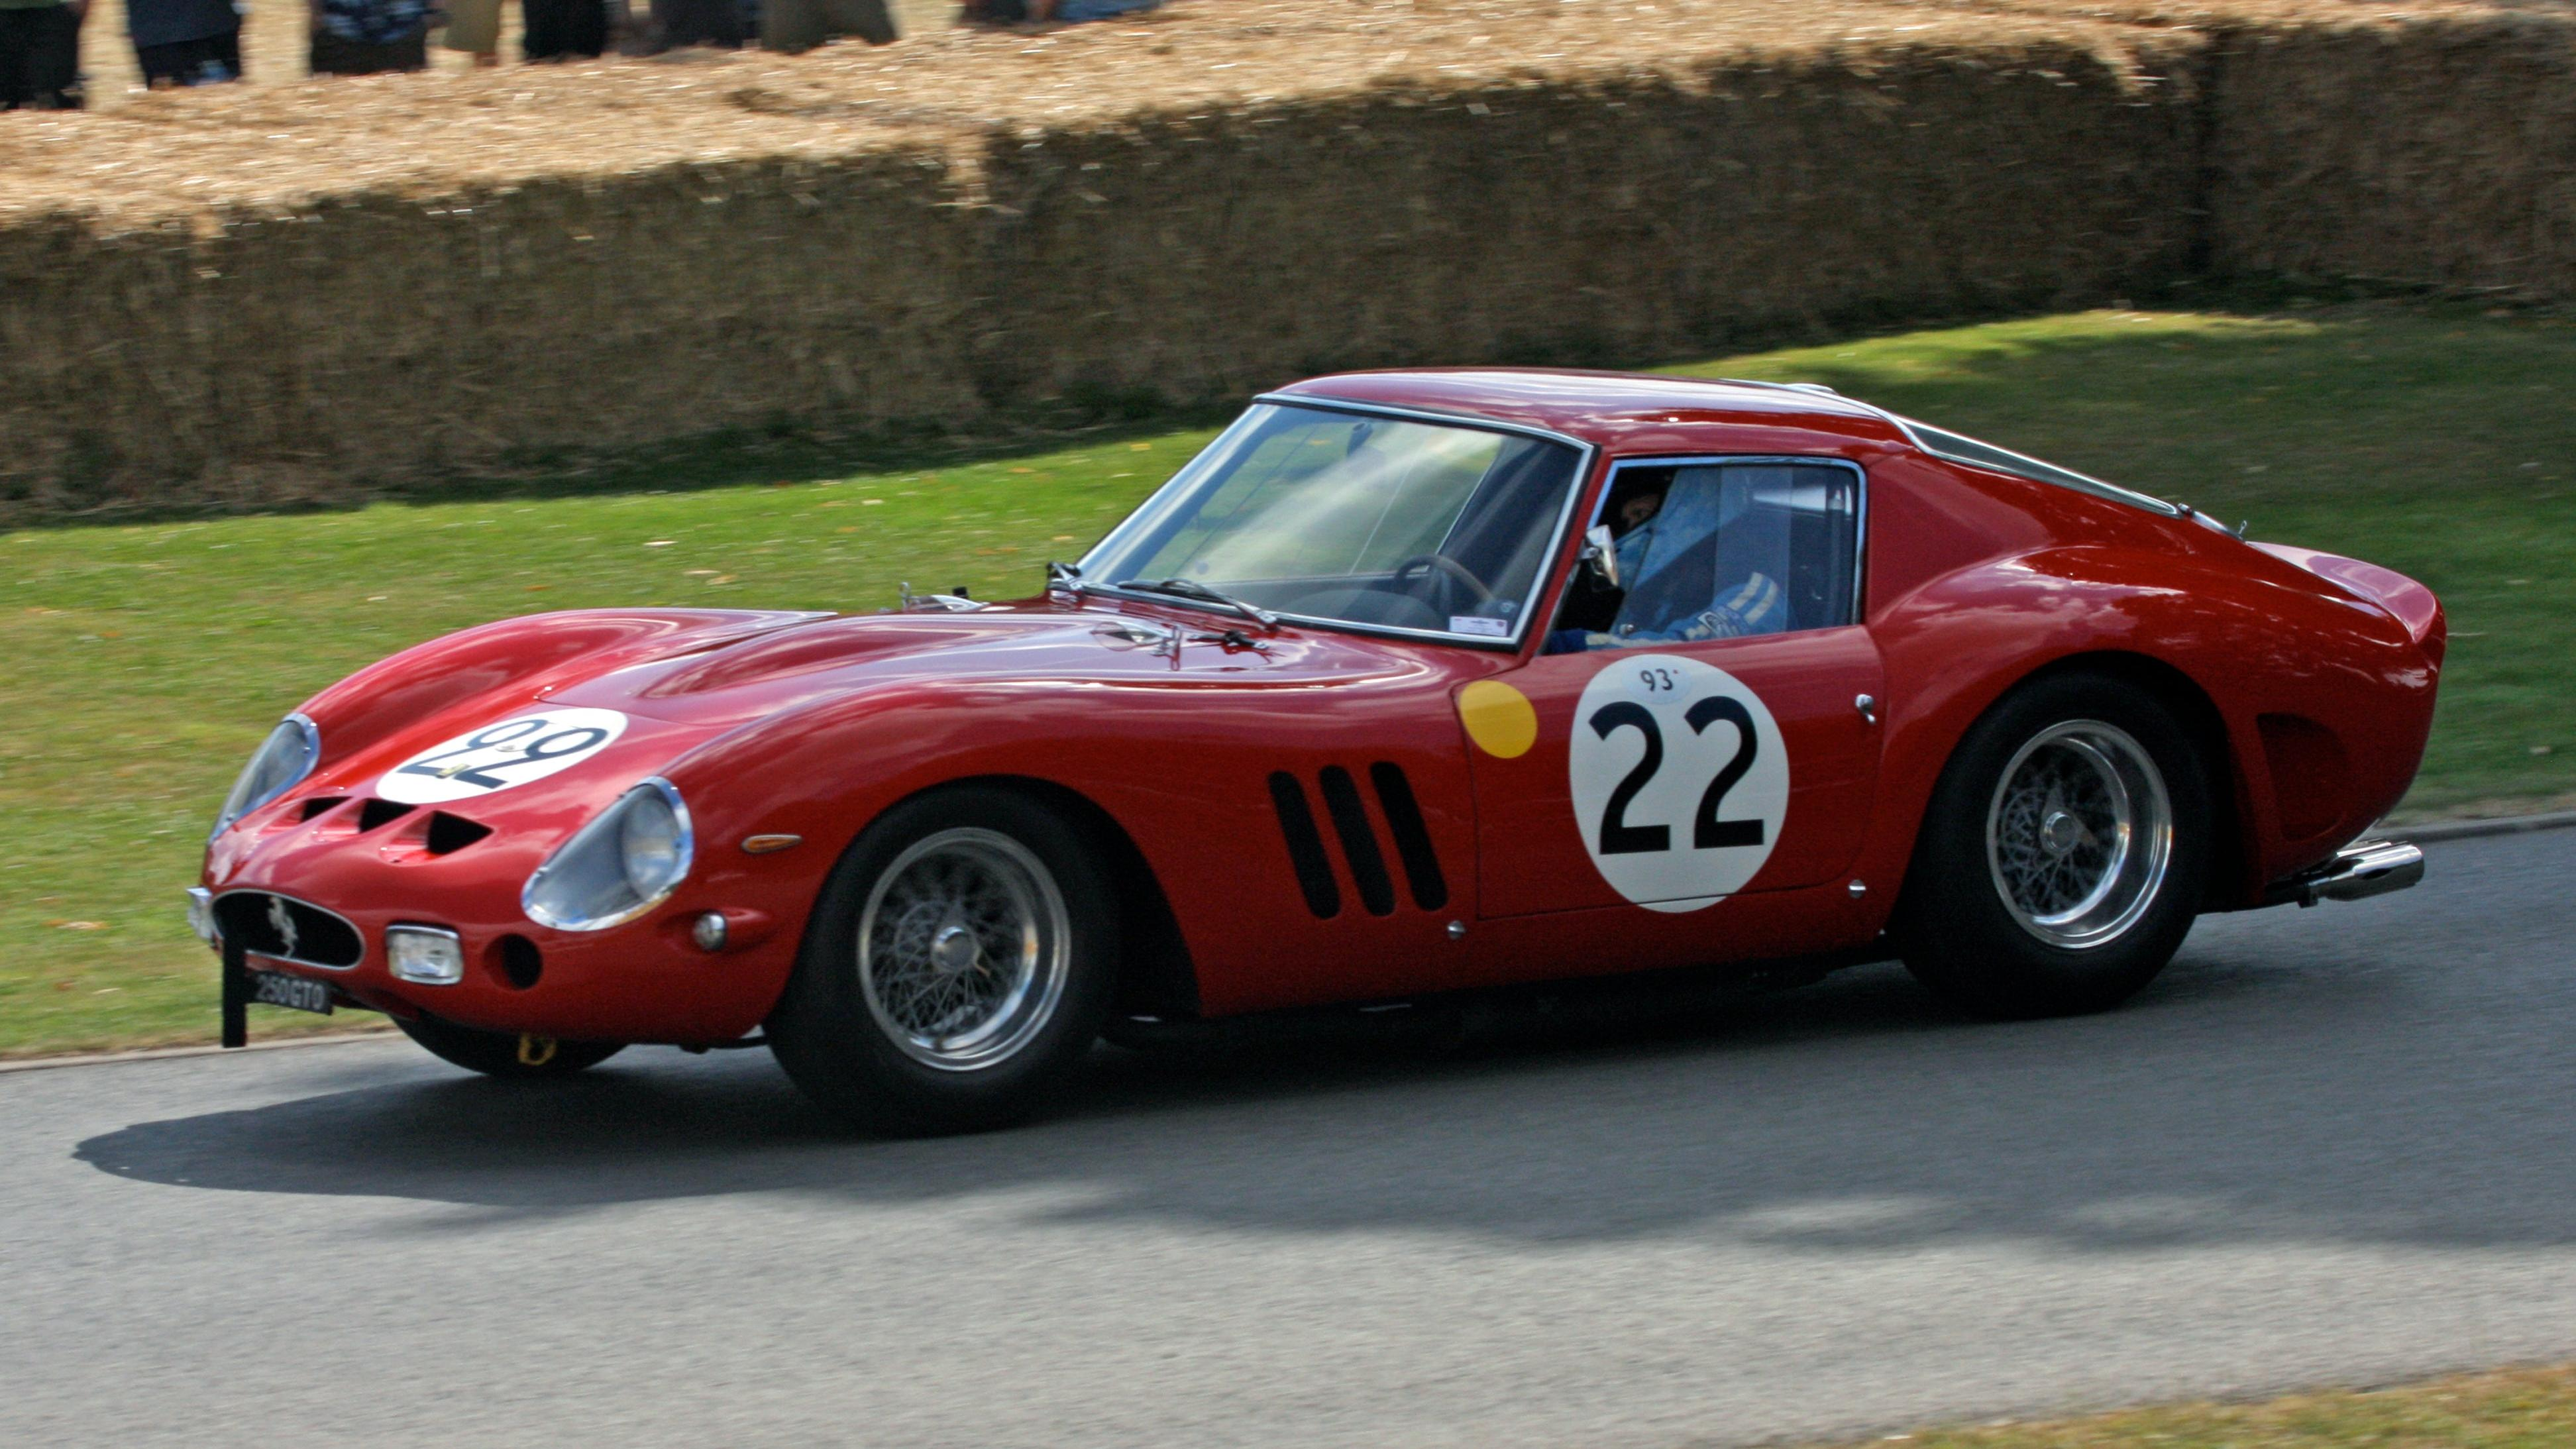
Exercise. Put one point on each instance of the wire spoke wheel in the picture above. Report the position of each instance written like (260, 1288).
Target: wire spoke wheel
(2079, 835)
(963, 949)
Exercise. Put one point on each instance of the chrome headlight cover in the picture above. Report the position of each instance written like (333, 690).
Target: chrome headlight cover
(279, 764)
(624, 862)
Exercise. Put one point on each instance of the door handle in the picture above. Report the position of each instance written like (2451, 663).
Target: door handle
(1868, 708)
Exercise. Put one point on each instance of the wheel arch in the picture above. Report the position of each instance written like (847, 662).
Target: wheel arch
(2199, 715)
(1155, 973)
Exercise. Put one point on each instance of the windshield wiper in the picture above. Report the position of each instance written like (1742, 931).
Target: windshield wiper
(1193, 589)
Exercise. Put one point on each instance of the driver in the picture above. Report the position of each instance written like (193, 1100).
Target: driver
(1683, 582)
(1635, 521)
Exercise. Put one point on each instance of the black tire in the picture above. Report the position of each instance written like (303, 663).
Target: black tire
(506, 1054)
(873, 1046)
(1988, 924)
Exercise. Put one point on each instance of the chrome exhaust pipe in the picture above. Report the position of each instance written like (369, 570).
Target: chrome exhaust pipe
(2362, 869)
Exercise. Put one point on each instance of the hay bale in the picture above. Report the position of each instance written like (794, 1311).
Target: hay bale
(255, 295)
(2433, 150)
(1617, 220)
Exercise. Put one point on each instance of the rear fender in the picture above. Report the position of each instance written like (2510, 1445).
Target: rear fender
(2408, 602)
(2259, 644)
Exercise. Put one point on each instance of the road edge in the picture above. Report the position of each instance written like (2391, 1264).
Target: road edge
(2437, 830)
(2429, 833)
(160, 1054)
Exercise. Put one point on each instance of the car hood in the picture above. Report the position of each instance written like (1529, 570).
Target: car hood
(1035, 642)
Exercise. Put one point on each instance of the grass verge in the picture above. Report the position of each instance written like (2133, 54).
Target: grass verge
(145, 660)
(2513, 1409)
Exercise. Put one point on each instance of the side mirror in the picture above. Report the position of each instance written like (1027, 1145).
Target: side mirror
(1599, 559)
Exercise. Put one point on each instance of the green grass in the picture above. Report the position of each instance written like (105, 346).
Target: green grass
(2515, 1409)
(145, 660)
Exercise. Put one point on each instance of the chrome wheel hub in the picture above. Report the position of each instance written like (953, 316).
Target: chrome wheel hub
(963, 949)
(2079, 834)
(2060, 832)
(954, 949)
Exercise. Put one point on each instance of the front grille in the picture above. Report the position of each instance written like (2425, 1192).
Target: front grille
(287, 929)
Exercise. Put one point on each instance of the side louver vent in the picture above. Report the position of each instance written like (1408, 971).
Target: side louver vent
(1305, 846)
(1412, 840)
(1359, 840)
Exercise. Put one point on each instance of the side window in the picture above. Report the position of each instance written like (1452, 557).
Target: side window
(1720, 551)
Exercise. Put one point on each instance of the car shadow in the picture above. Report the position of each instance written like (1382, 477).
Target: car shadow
(2272, 1085)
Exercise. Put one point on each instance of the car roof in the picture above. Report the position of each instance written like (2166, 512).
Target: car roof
(1620, 412)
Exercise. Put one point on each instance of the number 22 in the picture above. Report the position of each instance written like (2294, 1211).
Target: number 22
(1618, 837)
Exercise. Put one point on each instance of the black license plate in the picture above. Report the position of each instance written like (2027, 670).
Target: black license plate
(275, 988)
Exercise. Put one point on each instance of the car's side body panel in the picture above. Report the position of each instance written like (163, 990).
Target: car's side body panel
(1534, 857)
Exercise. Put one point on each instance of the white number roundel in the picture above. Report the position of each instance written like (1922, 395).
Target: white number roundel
(1679, 778)
(514, 751)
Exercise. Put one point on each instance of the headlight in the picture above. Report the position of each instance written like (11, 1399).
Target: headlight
(426, 954)
(286, 756)
(626, 861)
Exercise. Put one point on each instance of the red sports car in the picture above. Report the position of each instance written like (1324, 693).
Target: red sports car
(1411, 682)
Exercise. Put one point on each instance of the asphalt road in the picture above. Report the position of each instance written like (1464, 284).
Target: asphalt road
(2336, 1145)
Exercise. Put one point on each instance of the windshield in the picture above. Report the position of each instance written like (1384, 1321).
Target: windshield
(1355, 518)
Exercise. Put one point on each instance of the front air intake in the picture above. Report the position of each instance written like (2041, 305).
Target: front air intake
(380, 812)
(285, 929)
(451, 833)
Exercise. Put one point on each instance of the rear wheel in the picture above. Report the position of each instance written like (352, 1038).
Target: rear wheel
(958, 966)
(2064, 855)
(508, 1054)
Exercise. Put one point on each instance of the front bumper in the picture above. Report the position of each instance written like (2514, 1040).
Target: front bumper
(644, 981)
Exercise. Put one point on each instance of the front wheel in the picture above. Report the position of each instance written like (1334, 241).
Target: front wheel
(2065, 853)
(958, 966)
(507, 1054)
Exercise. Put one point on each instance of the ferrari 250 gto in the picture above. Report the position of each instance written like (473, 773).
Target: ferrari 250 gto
(1410, 683)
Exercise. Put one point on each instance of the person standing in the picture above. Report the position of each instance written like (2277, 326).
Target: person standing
(185, 42)
(369, 37)
(40, 54)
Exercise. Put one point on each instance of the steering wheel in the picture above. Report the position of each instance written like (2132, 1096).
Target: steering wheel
(1448, 568)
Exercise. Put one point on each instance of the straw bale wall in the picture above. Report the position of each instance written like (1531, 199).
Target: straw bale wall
(319, 345)
(2440, 151)
(1604, 222)
(294, 355)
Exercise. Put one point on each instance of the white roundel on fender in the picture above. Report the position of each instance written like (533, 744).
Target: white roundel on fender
(513, 751)
(1680, 780)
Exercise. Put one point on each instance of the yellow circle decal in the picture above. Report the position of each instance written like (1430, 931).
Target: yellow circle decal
(1498, 718)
